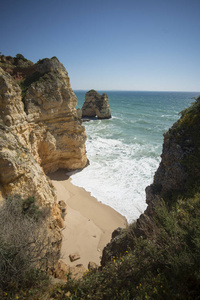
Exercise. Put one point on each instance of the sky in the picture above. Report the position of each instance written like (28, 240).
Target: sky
(151, 45)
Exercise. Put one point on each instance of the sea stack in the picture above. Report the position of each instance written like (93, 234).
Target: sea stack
(96, 105)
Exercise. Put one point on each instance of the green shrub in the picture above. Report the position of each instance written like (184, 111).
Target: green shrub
(25, 83)
(20, 56)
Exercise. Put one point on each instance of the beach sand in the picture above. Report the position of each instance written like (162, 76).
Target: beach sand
(88, 223)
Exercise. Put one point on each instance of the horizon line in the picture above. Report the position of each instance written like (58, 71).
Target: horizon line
(113, 90)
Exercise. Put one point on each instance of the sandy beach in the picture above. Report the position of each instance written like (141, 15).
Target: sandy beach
(88, 223)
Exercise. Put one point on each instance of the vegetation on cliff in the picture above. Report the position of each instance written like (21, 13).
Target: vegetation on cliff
(26, 82)
(16, 64)
(24, 245)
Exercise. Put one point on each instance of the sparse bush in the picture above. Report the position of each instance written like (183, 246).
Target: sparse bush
(35, 77)
(25, 83)
(23, 243)
(20, 56)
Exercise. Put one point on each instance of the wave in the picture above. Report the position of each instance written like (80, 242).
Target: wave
(118, 174)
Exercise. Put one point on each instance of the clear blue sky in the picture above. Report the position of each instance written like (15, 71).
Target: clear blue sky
(109, 44)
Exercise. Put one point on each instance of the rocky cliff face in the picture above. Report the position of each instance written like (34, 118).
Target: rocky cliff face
(96, 105)
(50, 102)
(39, 133)
(45, 120)
(178, 173)
(178, 176)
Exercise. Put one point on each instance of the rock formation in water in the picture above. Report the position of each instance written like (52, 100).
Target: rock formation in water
(96, 105)
(178, 176)
(40, 132)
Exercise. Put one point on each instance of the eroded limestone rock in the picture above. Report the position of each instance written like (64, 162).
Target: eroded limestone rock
(96, 105)
(62, 271)
(40, 132)
(59, 139)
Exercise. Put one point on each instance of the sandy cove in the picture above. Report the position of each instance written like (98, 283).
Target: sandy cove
(88, 223)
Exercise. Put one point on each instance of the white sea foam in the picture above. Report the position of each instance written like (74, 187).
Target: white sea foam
(118, 174)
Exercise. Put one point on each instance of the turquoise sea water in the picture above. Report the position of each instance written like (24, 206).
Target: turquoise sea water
(124, 152)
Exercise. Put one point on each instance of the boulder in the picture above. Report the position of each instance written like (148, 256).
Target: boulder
(77, 271)
(61, 270)
(74, 256)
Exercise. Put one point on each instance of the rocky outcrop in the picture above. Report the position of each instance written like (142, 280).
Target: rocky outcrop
(178, 173)
(40, 132)
(63, 271)
(171, 176)
(50, 102)
(51, 128)
(117, 245)
(96, 105)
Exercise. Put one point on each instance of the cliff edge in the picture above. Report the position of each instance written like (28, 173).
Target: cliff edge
(42, 118)
(40, 132)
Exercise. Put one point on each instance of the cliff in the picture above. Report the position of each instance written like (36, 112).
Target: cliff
(179, 173)
(42, 118)
(40, 132)
(96, 105)
(51, 129)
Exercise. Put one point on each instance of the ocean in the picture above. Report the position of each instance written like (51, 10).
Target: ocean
(124, 151)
